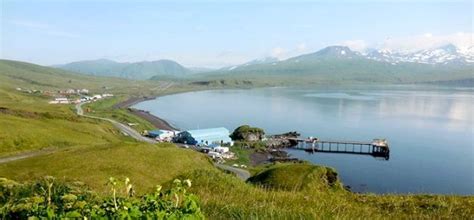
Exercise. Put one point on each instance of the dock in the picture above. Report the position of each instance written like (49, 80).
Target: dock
(376, 148)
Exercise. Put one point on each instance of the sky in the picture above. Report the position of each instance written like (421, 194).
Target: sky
(222, 33)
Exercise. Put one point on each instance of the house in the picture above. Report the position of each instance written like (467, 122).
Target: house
(97, 97)
(60, 100)
(86, 98)
(162, 135)
(218, 148)
(84, 91)
(204, 136)
(70, 91)
(214, 155)
(107, 95)
(221, 150)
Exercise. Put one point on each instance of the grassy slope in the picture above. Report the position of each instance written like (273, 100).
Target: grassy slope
(104, 108)
(83, 149)
(29, 123)
(146, 165)
(25, 75)
(225, 197)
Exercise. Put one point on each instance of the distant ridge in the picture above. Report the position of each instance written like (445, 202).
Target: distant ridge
(137, 70)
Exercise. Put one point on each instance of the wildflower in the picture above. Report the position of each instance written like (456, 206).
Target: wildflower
(187, 182)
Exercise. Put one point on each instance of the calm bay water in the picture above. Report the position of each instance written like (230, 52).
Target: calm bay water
(430, 130)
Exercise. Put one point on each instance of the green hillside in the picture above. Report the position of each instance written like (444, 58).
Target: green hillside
(30, 124)
(137, 70)
(14, 74)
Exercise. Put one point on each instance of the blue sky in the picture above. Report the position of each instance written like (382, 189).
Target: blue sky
(220, 33)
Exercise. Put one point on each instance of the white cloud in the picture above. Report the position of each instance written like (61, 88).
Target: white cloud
(428, 35)
(357, 45)
(278, 52)
(413, 43)
(301, 47)
(461, 40)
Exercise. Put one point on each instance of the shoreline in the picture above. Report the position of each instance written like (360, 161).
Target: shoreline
(132, 101)
(156, 121)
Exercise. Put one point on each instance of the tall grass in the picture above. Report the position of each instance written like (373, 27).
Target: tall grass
(225, 197)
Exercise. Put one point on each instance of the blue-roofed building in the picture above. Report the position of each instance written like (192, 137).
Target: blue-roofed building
(154, 133)
(162, 135)
(204, 136)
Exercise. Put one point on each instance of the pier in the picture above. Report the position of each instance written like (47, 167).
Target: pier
(376, 148)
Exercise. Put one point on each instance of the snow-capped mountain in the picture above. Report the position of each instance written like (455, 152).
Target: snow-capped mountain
(447, 54)
(328, 52)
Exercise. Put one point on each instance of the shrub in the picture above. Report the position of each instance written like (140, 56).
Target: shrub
(49, 198)
(247, 133)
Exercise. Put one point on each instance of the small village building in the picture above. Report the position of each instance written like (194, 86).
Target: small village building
(204, 136)
(214, 155)
(60, 100)
(97, 97)
(218, 148)
(70, 91)
(86, 98)
(84, 91)
(162, 135)
(221, 149)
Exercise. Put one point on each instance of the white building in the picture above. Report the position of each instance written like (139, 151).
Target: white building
(214, 155)
(162, 135)
(97, 97)
(60, 100)
(221, 150)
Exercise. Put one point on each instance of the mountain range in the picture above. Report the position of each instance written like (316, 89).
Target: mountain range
(332, 61)
(138, 70)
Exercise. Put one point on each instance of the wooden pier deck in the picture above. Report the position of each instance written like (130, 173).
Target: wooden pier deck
(376, 148)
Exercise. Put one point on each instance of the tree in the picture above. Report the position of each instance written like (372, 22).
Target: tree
(247, 133)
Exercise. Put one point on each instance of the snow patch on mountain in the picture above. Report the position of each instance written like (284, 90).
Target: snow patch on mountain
(446, 54)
